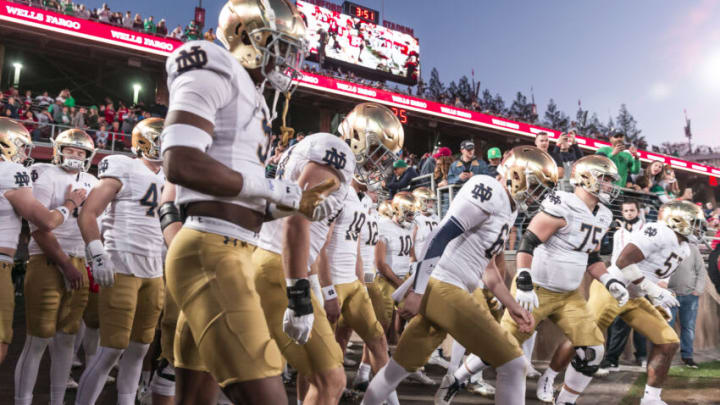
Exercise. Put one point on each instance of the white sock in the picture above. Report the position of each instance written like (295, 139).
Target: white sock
(392, 399)
(470, 366)
(384, 383)
(93, 378)
(91, 340)
(363, 373)
(145, 377)
(550, 374)
(652, 392)
(456, 357)
(62, 348)
(566, 396)
(26, 370)
(510, 386)
(129, 369)
(125, 399)
(528, 346)
(299, 402)
(477, 377)
(576, 381)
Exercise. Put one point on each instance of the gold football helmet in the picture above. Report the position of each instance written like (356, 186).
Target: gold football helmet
(597, 175)
(146, 138)
(385, 208)
(263, 33)
(403, 208)
(529, 173)
(424, 199)
(375, 135)
(685, 218)
(15, 142)
(76, 138)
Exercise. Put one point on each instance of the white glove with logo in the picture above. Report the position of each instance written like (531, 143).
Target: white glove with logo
(298, 318)
(280, 192)
(659, 296)
(328, 207)
(100, 264)
(616, 288)
(525, 293)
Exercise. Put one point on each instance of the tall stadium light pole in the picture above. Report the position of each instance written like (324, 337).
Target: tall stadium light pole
(18, 67)
(136, 92)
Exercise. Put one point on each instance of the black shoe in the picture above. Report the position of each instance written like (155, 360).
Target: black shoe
(690, 363)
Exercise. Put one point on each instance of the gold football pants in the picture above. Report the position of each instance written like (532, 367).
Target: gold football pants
(221, 327)
(7, 302)
(568, 310)
(357, 311)
(639, 313)
(167, 327)
(49, 305)
(321, 352)
(444, 309)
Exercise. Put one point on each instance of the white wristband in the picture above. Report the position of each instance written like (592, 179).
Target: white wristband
(329, 293)
(64, 212)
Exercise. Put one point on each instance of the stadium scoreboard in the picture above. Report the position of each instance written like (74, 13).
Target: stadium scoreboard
(361, 13)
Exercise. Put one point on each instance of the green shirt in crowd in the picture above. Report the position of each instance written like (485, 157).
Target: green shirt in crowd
(624, 161)
(150, 26)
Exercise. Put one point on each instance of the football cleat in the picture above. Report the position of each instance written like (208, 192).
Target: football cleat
(482, 388)
(437, 360)
(76, 361)
(449, 387)
(71, 384)
(545, 392)
(420, 377)
(533, 373)
(348, 362)
(652, 401)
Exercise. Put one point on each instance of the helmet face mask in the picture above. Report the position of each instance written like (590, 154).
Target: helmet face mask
(403, 209)
(684, 218)
(377, 164)
(424, 200)
(535, 192)
(596, 175)
(282, 60)
(530, 174)
(77, 139)
(146, 139)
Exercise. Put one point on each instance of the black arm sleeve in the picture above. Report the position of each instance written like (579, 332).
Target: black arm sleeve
(169, 214)
(441, 237)
(529, 242)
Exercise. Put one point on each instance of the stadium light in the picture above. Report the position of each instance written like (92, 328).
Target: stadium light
(18, 67)
(136, 92)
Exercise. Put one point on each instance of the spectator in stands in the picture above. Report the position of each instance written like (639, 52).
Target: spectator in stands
(43, 100)
(626, 159)
(82, 12)
(92, 118)
(210, 35)
(442, 170)
(150, 27)
(494, 156)
(467, 166)
(65, 118)
(652, 175)
(69, 99)
(138, 23)
(29, 120)
(44, 119)
(162, 28)
(299, 137)
(271, 166)
(177, 33)
(101, 137)
(458, 103)
(400, 178)
(28, 98)
(129, 122)
(68, 7)
(110, 112)
(104, 13)
(159, 108)
(688, 284)
(192, 31)
(121, 111)
(708, 209)
(667, 189)
(78, 119)
(566, 152)
(128, 20)
(116, 18)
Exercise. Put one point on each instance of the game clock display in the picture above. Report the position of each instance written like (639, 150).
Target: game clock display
(360, 12)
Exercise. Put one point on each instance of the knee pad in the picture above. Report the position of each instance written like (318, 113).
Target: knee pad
(163, 382)
(587, 359)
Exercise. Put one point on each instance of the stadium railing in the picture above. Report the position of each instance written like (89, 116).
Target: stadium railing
(42, 134)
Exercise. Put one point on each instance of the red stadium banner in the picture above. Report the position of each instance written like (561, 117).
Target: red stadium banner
(420, 105)
(86, 29)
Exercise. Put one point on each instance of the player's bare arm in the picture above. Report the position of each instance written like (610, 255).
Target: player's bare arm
(330, 301)
(170, 221)
(25, 204)
(496, 283)
(100, 196)
(359, 263)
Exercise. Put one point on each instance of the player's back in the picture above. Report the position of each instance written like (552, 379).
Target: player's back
(131, 222)
(241, 135)
(560, 262)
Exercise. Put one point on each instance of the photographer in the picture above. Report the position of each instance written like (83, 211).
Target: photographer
(624, 156)
(467, 166)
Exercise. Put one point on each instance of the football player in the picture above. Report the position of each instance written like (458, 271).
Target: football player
(461, 252)
(215, 143)
(341, 273)
(17, 202)
(560, 244)
(128, 264)
(371, 135)
(651, 255)
(55, 300)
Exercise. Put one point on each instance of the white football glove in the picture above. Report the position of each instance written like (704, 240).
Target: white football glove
(100, 263)
(663, 297)
(298, 318)
(525, 293)
(280, 192)
(616, 288)
(327, 208)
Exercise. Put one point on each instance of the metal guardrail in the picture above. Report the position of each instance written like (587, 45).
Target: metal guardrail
(43, 133)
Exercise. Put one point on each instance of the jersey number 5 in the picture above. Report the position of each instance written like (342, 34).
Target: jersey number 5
(150, 200)
(670, 263)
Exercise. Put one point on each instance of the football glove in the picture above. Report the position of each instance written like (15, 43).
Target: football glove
(100, 263)
(298, 318)
(525, 293)
(616, 288)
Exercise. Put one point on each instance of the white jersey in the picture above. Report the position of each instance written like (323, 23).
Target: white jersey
(131, 223)
(369, 236)
(398, 244)
(12, 177)
(662, 249)
(50, 184)
(232, 103)
(621, 237)
(483, 208)
(560, 263)
(324, 149)
(343, 245)
(424, 225)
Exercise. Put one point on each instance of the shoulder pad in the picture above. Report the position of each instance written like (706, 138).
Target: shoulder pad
(14, 175)
(114, 166)
(37, 170)
(330, 150)
(556, 204)
(483, 191)
(199, 55)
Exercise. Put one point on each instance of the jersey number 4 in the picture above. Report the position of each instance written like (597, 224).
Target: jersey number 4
(589, 229)
(150, 200)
